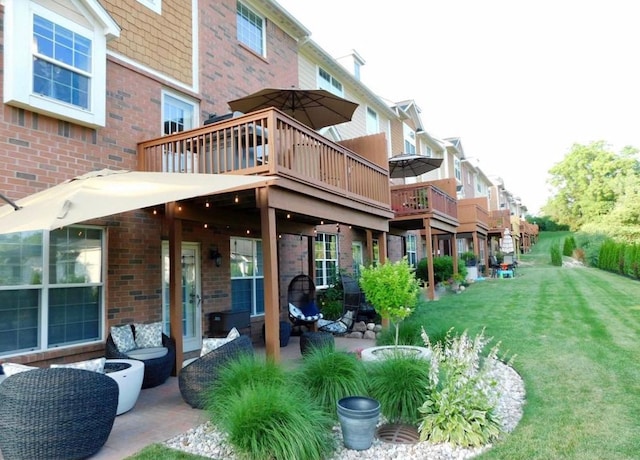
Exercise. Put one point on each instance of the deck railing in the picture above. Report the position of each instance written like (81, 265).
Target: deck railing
(268, 142)
(500, 219)
(416, 199)
(470, 212)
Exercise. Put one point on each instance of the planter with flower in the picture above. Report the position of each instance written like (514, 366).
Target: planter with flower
(393, 290)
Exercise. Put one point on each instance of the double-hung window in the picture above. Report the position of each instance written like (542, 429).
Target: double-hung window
(247, 277)
(55, 63)
(51, 289)
(326, 257)
(372, 121)
(251, 30)
(412, 251)
(409, 140)
(329, 83)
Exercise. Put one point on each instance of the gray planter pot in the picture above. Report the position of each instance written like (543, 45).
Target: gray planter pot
(358, 416)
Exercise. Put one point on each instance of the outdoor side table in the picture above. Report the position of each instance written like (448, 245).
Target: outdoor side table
(128, 374)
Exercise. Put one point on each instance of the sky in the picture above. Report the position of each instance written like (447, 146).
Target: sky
(519, 82)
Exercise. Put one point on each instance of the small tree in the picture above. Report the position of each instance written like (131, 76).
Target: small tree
(392, 289)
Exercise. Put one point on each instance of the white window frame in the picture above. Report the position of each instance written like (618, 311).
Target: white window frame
(326, 267)
(248, 36)
(456, 169)
(412, 249)
(329, 82)
(40, 281)
(179, 102)
(357, 255)
(409, 139)
(19, 58)
(153, 5)
(373, 124)
(253, 276)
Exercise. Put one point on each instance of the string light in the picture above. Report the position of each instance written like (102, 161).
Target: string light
(206, 205)
(236, 199)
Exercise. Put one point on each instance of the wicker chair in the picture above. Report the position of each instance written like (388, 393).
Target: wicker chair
(301, 294)
(156, 370)
(57, 413)
(196, 378)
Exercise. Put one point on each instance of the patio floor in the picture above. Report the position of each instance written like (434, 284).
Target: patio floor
(160, 413)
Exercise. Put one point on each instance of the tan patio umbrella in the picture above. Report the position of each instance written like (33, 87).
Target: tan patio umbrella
(107, 192)
(315, 108)
(411, 165)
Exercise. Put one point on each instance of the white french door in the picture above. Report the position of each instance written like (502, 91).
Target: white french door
(191, 295)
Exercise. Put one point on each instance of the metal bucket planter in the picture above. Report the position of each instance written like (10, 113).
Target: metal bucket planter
(386, 351)
(358, 416)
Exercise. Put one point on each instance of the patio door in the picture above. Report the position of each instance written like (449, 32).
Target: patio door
(191, 295)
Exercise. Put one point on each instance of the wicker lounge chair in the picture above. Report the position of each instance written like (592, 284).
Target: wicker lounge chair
(156, 370)
(301, 297)
(196, 377)
(56, 413)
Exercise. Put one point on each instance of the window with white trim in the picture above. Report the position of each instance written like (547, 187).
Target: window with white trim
(51, 289)
(178, 114)
(251, 30)
(153, 5)
(54, 65)
(326, 258)
(247, 276)
(357, 255)
(456, 169)
(428, 151)
(372, 121)
(328, 82)
(409, 139)
(412, 250)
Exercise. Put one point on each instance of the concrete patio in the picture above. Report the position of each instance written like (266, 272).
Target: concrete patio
(160, 413)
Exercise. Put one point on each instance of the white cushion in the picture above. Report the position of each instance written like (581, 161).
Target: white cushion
(15, 368)
(297, 313)
(148, 353)
(211, 344)
(123, 338)
(94, 365)
(186, 362)
(148, 335)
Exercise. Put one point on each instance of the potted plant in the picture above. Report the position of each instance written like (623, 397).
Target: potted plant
(392, 289)
(469, 258)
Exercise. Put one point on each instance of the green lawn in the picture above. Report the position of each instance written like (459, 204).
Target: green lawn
(575, 333)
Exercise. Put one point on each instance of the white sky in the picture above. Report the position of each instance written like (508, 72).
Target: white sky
(518, 81)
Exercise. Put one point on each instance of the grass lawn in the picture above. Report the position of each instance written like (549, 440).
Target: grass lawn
(575, 333)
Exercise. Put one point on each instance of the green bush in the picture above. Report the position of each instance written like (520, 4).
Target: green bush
(246, 371)
(327, 376)
(422, 270)
(556, 255)
(278, 421)
(442, 268)
(568, 246)
(399, 397)
(459, 408)
(408, 333)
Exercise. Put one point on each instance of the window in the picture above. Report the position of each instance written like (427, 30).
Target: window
(177, 114)
(372, 121)
(154, 5)
(409, 140)
(51, 289)
(460, 247)
(412, 251)
(247, 279)
(65, 64)
(328, 82)
(250, 29)
(456, 169)
(428, 151)
(326, 258)
(357, 255)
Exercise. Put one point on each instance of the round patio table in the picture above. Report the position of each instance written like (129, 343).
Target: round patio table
(128, 374)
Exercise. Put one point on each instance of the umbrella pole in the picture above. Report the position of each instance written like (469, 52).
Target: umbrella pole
(10, 201)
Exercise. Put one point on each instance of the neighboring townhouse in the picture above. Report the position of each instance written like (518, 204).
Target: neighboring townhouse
(137, 84)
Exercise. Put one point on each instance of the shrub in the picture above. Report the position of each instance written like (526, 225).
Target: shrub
(277, 421)
(399, 397)
(327, 375)
(422, 270)
(556, 255)
(392, 289)
(246, 371)
(442, 268)
(408, 333)
(460, 406)
(568, 246)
